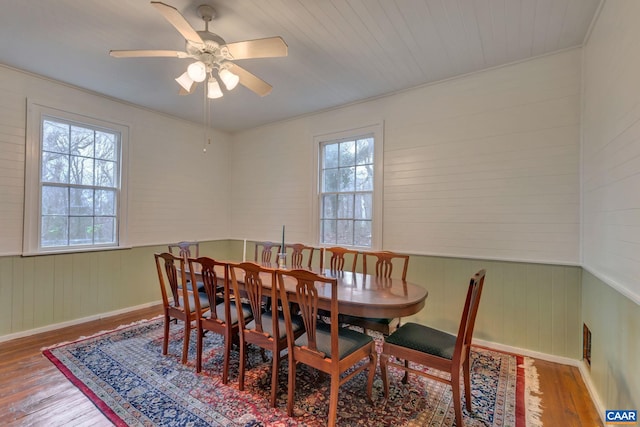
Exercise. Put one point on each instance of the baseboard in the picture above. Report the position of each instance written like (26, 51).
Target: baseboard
(74, 322)
(581, 365)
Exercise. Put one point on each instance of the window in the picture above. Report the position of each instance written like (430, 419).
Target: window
(74, 182)
(349, 188)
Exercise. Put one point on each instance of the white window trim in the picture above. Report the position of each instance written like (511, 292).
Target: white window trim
(377, 130)
(32, 208)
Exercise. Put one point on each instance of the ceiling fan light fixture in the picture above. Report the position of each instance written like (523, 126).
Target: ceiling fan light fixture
(213, 89)
(229, 79)
(185, 81)
(197, 71)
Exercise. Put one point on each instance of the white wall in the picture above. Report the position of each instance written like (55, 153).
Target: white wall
(482, 166)
(176, 192)
(611, 149)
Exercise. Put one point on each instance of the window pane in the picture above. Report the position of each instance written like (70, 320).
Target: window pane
(347, 153)
(347, 179)
(330, 181)
(80, 230)
(364, 151)
(328, 231)
(81, 171)
(345, 232)
(105, 173)
(345, 206)
(55, 137)
(363, 206)
(81, 201)
(105, 202)
(364, 178)
(55, 168)
(329, 208)
(54, 231)
(362, 233)
(55, 200)
(106, 146)
(81, 141)
(105, 230)
(330, 156)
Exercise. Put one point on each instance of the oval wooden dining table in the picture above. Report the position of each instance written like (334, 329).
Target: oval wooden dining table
(370, 296)
(364, 295)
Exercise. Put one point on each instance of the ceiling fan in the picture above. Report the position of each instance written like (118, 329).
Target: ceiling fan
(213, 56)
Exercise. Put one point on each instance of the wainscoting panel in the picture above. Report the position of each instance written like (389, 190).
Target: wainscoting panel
(42, 291)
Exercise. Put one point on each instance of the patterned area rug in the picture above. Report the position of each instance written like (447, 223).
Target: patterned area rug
(125, 375)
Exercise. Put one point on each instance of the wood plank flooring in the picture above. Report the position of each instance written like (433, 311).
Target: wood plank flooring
(34, 393)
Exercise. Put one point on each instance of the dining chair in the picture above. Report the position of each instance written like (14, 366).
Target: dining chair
(337, 259)
(184, 304)
(185, 249)
(222, 318)
(297, 253)
(325, 347)
(265, 328)
(264, 252)
(432, 348)
(385, 261)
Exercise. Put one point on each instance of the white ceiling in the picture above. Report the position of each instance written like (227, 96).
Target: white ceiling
(340, 51)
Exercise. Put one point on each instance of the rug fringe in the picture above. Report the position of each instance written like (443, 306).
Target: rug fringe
(532, 392)
(102, 332)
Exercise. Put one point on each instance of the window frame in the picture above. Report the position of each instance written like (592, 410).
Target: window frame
(375, 131)
(36, 113)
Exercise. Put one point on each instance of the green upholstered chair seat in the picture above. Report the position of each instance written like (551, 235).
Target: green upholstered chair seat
(425, 339)
(220, 311)
(348, 340)
(267, 324)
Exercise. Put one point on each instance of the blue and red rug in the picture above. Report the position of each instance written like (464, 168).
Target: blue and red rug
(125, 375)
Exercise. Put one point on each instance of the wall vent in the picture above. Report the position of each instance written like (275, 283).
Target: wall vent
(586, 344)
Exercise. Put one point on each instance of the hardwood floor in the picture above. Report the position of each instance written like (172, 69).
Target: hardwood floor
(34, 393)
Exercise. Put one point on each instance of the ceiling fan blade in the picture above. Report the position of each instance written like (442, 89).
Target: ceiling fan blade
(148, 53)
(261, 48)
(176, 19)
(250, 81)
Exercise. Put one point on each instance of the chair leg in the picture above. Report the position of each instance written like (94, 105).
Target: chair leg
(384, 359)
(274, 377)
(373, 357)
(466, 373)
(165, 341)
(291, 385)
(243, 357)
(405, 378)
(199, 349)
(185, 343)
(227, 356)
(333, 400)
(457, 398)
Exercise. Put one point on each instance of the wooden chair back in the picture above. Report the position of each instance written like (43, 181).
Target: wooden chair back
(185, 249)
(337, 258)
(264, 252)
(384, 263)
(298, 253)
